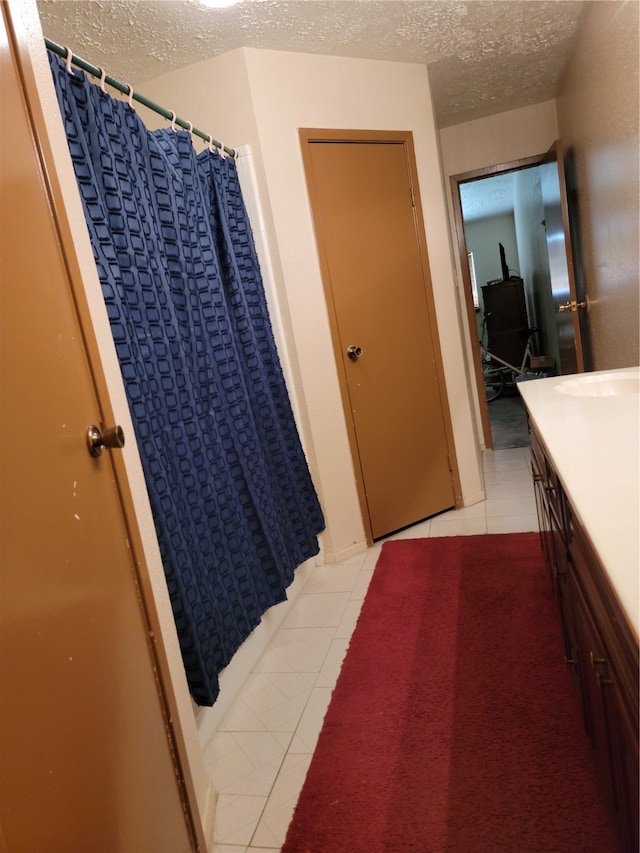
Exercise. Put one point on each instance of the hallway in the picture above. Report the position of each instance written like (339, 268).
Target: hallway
(508, 418)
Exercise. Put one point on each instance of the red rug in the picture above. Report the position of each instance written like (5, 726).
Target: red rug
(454, 725)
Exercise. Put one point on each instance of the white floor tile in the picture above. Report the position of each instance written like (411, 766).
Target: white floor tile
(458, 527)
(525, 505)
(362, 584)
(276, 817)
(513, 524)
(306, 735)
(330, 670)
(516, 458)
(493, 477)
(335, 577)
(271, 701)
(297, 650)
(237, 818)
(371, 557)
(320, 609)
(349, 619)
(520, 487)
(246, 763)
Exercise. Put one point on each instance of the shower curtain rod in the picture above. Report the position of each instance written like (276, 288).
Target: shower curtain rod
(95, 71)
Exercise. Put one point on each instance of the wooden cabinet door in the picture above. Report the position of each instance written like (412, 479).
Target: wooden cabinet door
(88, 761)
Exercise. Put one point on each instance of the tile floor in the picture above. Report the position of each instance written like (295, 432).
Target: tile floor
(259, 755)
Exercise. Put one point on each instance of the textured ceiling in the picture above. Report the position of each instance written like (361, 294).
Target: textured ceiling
(483, 57)
(493, 196)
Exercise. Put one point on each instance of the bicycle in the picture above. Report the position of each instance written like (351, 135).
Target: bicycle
(495, 370)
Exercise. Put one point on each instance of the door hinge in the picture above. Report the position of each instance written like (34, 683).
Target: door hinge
(413, 200)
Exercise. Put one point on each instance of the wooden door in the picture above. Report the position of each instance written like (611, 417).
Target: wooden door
(89, 761)
(563, 283)
(366, 214)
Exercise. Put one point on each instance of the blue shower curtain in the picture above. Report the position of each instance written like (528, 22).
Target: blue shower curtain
(234, 506)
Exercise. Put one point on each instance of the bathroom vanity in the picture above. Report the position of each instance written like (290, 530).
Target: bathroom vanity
(585, 442)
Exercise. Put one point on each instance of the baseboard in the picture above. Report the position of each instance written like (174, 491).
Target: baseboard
(346, 553)
(478, 497)
(208, 816)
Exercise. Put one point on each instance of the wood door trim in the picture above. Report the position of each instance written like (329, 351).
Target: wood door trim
(455, 181)
(404, 138)
(19, 47)
(556, 155)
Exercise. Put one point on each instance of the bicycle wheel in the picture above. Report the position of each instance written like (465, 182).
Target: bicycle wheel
(493, 382)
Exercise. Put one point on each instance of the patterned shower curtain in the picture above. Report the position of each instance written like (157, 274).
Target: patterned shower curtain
(232, 498)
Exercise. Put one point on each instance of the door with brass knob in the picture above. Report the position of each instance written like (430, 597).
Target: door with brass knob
(366, 208)
(91, 758)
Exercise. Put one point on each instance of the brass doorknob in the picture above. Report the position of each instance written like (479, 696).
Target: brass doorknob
(572, 305)
(102, 436)
(354, 352)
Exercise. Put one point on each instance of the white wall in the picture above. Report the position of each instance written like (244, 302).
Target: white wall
(483, 237)
(499, 139)
(275, 94)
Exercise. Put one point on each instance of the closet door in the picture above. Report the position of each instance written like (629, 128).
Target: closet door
(89, 759)
(366, 207)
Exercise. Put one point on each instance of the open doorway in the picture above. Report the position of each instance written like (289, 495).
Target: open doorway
(517, 267)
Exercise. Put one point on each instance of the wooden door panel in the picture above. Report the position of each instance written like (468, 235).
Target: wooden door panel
(366, 226)
(87, 764)
(563, 283)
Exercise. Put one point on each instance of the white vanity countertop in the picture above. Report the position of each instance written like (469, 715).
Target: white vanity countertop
(594, 444)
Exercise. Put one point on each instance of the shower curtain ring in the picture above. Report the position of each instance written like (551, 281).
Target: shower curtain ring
(103, 75)
(212, 148)
(222, 151)
(190, 126)
(130, 98)
(69, 58)
(173, 121)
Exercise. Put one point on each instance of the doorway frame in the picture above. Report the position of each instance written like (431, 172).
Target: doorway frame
(455, 182)
(393, 137)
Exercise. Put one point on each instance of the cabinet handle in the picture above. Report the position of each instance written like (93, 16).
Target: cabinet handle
(598, 662)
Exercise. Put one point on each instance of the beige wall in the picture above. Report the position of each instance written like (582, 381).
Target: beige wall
(498, 139)
(598, 120)
(262, 98)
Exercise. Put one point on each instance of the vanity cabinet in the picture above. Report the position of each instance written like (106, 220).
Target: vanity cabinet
(600, 646)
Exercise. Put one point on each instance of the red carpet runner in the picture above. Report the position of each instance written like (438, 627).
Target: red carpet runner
(454, 725)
